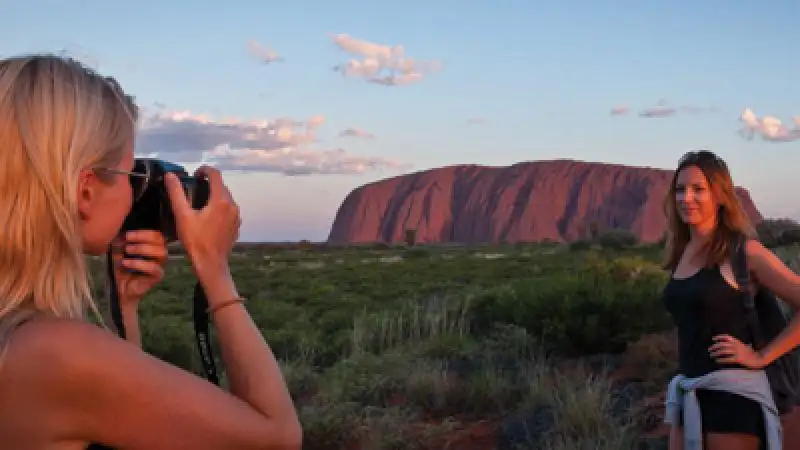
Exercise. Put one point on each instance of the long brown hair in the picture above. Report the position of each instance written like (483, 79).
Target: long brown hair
(731, 218)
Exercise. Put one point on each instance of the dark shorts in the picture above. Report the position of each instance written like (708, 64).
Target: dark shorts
(725, 412)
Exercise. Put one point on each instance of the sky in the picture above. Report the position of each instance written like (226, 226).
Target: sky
(299, 102)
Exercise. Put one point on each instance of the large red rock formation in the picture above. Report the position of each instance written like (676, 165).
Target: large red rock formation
(525, 202)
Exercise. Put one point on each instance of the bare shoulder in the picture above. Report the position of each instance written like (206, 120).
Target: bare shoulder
(761, 259)
(80, 376)
(754, 248)
(41, 356)
(47, 349)
(770, 271)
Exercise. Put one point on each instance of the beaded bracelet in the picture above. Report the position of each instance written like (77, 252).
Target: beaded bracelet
(219, 306)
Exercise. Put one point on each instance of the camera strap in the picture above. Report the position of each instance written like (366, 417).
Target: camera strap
(200, 316)
(201, 332)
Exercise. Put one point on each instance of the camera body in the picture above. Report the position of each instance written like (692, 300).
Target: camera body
(151, 209)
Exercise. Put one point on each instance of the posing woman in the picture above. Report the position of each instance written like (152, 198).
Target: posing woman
(718, 369)
(66, 155)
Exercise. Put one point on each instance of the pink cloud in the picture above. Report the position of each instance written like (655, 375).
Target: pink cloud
(769, 128)
(381, 64)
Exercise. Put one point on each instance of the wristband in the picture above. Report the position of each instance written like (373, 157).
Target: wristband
(219, 306)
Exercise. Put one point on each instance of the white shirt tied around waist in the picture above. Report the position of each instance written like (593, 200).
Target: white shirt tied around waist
(752, 384)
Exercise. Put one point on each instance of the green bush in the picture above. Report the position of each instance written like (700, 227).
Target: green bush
(580, 244)
(598, 309)
(774, 232)
(617, 239)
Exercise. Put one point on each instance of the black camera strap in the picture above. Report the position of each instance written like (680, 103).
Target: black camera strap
(200, 316)
(201, 331)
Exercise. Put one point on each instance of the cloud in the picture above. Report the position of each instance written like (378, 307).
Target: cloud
(381, 64)
(354, 132)
(266, 56)
(769, 128)
(660, 110)
(619, 110)
(283, 145)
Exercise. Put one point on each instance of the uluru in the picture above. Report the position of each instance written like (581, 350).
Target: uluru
(526, 202)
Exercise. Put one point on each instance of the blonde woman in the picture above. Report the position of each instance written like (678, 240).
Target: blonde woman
(66, 145)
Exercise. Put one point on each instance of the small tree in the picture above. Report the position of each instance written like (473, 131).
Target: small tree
(594, 230)
(790, 237)
(411, 237)
(776, 232)
(618, 239)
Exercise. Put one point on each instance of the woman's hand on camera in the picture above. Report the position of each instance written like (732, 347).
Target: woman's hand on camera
(208, 234)
(135, 276)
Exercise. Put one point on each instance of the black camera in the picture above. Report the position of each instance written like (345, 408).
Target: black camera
(151, 208)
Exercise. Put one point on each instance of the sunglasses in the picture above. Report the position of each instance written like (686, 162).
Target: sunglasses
(138, 180)
(702, 157)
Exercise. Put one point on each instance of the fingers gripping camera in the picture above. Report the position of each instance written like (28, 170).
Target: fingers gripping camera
(151, 208)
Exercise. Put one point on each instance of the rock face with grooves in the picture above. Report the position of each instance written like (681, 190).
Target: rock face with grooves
(525, 202)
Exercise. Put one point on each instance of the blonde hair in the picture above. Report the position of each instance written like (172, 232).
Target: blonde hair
(57, 117)
(731, 217)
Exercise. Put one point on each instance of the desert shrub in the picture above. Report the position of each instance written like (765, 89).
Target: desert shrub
(582, 405)
(570, 410)
(776, 232)
(367, 379)
(387, 429)
(301, 378)
(417, 253)
(441, 392)
(598, 309)
(580, 244)
(329, 425)
(617, 239)
(790, 237)
(652, 359)
(412, 322)
(172, 341)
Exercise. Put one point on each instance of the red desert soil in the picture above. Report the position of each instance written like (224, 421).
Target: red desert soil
(475, 436)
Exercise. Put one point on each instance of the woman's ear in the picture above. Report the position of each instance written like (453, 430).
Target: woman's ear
(85, 193)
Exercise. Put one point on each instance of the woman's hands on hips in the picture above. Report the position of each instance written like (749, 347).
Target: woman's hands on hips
(727, 349)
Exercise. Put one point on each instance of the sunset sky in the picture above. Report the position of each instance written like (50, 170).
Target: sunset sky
(301, 101)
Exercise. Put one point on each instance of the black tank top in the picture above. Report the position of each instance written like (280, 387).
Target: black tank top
(702, 306)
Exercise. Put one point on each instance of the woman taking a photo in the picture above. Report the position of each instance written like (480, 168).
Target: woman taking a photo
(66, 147)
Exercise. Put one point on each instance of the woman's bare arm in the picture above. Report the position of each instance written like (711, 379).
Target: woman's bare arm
(94, 387)
(773, 274)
